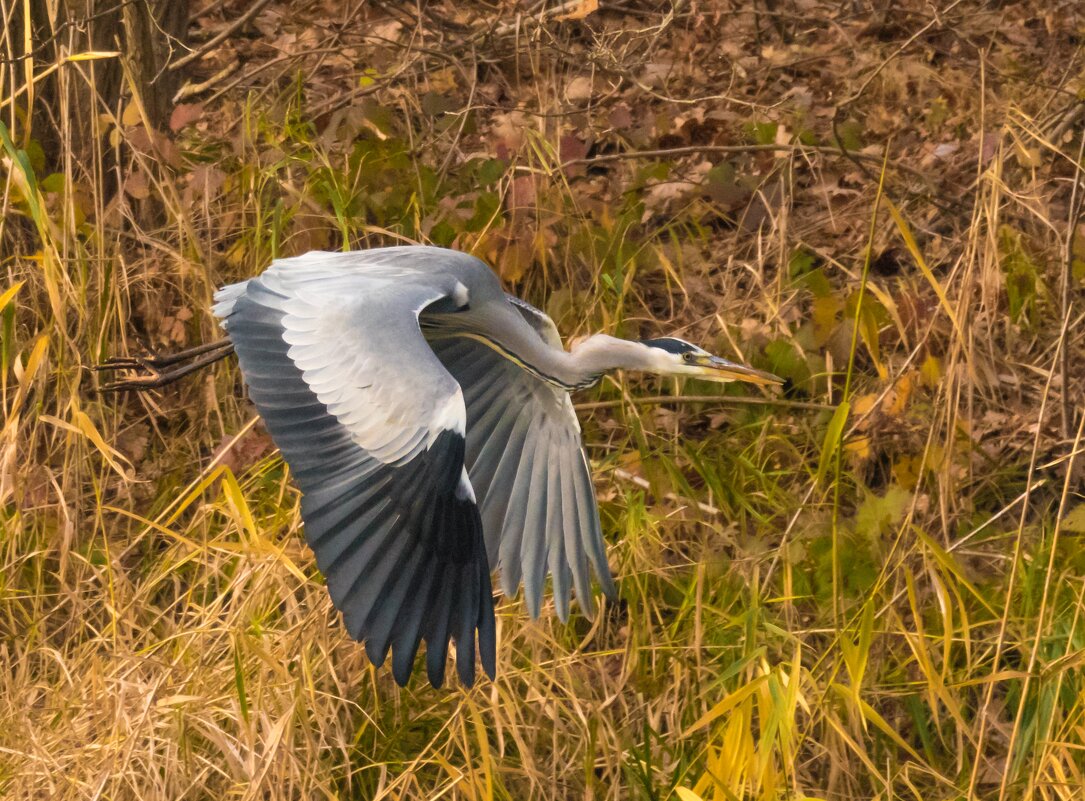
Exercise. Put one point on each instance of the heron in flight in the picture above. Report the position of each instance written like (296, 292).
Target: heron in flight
(425, 417)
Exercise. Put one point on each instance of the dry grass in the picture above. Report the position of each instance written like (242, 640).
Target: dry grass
(870, 587)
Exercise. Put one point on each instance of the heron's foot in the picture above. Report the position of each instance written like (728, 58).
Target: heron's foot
(149, 375)
(130, 363)
(154, 371)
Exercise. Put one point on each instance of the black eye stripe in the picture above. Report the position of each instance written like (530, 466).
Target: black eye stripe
(670, 344)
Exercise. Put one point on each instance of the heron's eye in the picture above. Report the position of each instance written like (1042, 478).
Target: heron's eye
(687, 357)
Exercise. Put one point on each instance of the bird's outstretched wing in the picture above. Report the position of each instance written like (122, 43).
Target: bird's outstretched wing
(372, 426)
(527, 464)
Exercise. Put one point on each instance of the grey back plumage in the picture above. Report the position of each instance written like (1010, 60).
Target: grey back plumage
(422, 464)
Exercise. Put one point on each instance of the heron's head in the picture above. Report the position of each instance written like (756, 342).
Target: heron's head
(673, 356)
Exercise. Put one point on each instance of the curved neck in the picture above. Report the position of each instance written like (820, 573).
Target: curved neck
(504, 330)
(580, 368)
(549, 364)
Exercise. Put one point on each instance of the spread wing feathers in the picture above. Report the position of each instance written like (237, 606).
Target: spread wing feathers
(378, 454)
(527, 465)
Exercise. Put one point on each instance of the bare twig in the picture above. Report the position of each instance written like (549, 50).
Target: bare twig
(725, 149)
(222, 36)
(1076, 197)
(625, 475)
(192, 89)
(211, 8)
(1067, 120)
(721, 399)
(265, 65)
(506, 28)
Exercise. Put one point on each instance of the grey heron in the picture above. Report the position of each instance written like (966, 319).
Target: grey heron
(425, 416)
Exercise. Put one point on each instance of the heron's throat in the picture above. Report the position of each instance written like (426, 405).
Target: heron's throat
(504, 330)
(583, 366)
(555, 367)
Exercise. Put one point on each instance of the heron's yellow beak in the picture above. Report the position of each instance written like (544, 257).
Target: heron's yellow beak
(713, 368)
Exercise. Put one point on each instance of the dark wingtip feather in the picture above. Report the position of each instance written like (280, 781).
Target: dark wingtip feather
(440, 610)
(402, 668)
(486, 623)
(409, 636)
(375, 654)
(465, 660)
(561, 606)
(465, 625)
(436, 655)
(487, 637)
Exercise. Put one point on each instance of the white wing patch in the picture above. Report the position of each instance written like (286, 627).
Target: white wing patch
(464, 490)
(460, 295)
(452, 416)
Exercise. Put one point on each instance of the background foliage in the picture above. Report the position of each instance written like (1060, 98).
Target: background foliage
(869, 585)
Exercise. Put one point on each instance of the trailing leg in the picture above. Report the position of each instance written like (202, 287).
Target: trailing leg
(153, 368)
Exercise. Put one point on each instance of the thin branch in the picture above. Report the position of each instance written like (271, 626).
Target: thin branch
(724, 149)
(636, 480)
(721, 399)
(1076, 199)
(222, 36)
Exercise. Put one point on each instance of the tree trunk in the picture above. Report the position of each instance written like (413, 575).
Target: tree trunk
(61, 108)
